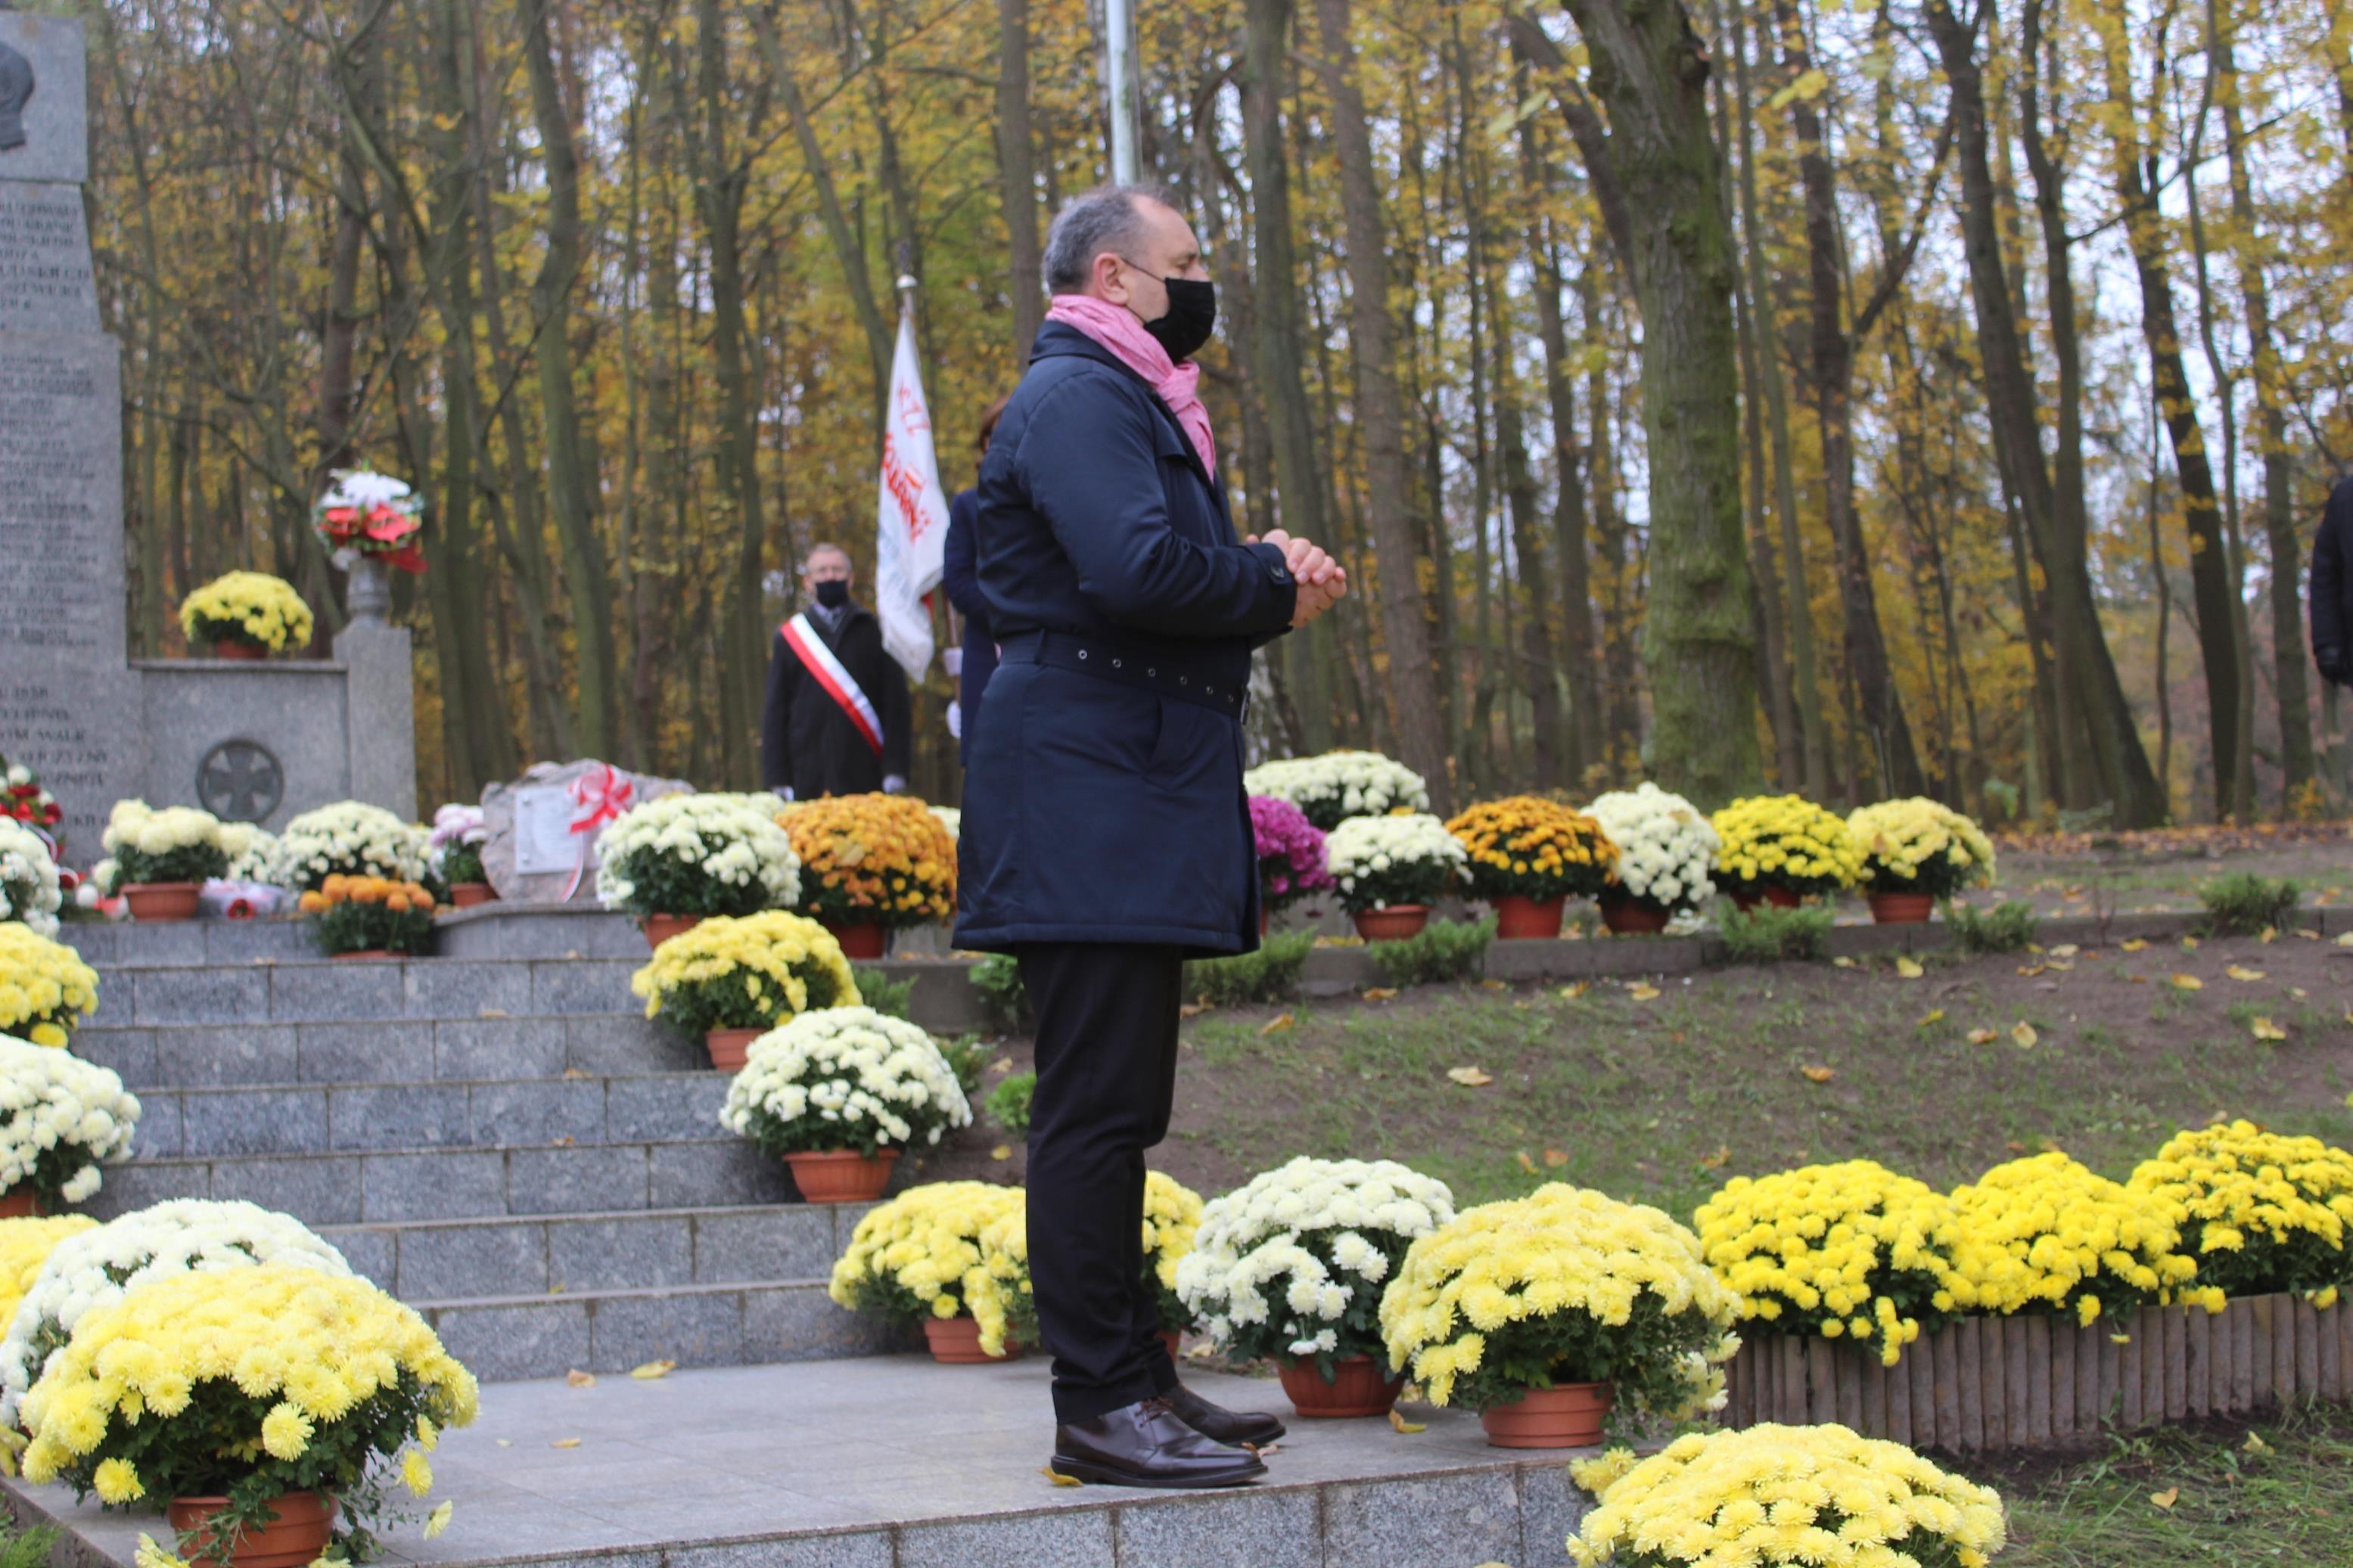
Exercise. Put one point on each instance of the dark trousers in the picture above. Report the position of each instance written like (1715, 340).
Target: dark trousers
(1106, 1059)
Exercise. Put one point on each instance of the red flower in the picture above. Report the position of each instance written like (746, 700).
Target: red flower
(407, 558)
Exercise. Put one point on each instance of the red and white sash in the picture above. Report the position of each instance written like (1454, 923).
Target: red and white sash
(828, 672)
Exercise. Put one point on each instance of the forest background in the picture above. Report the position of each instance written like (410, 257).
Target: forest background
(1997, 358)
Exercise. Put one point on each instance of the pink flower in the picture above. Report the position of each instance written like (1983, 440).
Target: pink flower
(1290, 850)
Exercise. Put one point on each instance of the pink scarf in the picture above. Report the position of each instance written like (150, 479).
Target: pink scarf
(1116, 329)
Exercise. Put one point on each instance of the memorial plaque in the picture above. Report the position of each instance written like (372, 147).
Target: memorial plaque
(43, 99)
(531, 856)
(46, 282)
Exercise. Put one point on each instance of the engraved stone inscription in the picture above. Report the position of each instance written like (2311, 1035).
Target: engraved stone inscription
(46, 283)
(59, 528)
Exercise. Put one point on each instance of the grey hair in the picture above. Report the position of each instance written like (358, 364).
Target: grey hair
(1105, 218)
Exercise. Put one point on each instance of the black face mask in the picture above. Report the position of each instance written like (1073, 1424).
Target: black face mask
(833, 595)
(1192, 315)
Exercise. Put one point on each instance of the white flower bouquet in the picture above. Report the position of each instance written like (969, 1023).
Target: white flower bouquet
(1292, 1264)
(1337, 786)
(1378, 861)
(348, 838)
(97, 1268)
(1665, 846)
(459, 831)
(698, 854)
(28, 879)
(844, 1079)
(60, 1119)
(177, 844)
(252, 852)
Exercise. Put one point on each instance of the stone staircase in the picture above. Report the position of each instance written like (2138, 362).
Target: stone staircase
(496, 1136)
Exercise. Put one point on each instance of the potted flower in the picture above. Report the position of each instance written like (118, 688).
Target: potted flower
(369, 524)
(456, 846)
(1915, 853)
(24, 1245)
(246, 615)
(2268, 1213)
(1172, 1217)
(1665, 846)
(1337, 786)
(29, 892)
(255, 1402)
(837, 1093)
(732, 978)
(163, 858)
(677, 858)
(60, 1119)
(1528, 856)
(2045, 1235)
(45, 989)
(1290, 1267)
(1542, 1313)
(370, 917)
(920, 1258)
(21, 799)
(1845, 1251)
(871, 864)
(1388, 868)
(1291, 860)
(350, 838)
(1782, 850)
(1703, 1498)
(94, 1268)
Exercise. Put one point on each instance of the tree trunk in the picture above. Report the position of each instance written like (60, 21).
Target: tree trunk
(1650, 71)
(1018, 181)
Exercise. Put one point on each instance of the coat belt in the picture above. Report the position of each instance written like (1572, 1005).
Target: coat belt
(1179, 680)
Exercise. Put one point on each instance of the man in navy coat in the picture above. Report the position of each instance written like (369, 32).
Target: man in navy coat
(1107, 836)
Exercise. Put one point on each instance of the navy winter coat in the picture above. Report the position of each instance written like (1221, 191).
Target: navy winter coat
(960, 575)
(2332, 586)
(1103, 799)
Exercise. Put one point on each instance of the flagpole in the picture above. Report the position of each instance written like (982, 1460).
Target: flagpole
(1119, 36)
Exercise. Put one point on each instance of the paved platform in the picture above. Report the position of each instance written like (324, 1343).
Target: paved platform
(895, 1462)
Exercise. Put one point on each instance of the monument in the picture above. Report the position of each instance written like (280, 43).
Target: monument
(256, 741)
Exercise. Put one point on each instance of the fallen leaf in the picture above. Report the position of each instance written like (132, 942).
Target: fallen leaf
(1379, 993)
(1277, 1024)
(1263, 1449)
(1841, 963)
(2136, 979)
(2255, 1443)
(1002, 1151)
(1909, 968)
(1495, 985)
(1060, 1479)
(2134, 945)
(1189, 1010)
(2264, 1029)
(2269, 933)
(2241, 972)
(1643, 992)
(1571, 993)
(646, 1372)
(1982, 1036)
(580, 1379)
(1397, 1422)
(2166, 1497)
(2298, 993)
(1819, 1075)
(1469, 1077)
(565, 1443)
(2345, 939)
(1554, 1159)
(2119, 1338)
(2031, 969)
(1722, 1154)
(503, 1442)
(1526, 1163)
(2015, 1147)
(493, 1012)
(2024, 1033)
(2189, 945)
(2066, 950)
(1005, 1064)
(1932, 1015)
(2188, 982)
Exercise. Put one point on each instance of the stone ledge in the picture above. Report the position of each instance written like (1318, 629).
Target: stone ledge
(403, 1050)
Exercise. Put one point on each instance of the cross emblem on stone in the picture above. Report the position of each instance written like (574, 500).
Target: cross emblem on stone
(240, 781)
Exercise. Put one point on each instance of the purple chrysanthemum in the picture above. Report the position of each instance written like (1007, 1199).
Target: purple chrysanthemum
(1290, 863)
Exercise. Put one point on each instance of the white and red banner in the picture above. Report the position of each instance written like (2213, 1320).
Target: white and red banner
(912, 514)
(835, 679)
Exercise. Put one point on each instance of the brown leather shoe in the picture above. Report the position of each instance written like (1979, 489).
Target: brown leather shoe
(1219, 1425)
(1146, 1444)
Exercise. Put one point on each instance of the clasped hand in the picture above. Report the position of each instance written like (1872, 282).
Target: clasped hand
(1322, 580)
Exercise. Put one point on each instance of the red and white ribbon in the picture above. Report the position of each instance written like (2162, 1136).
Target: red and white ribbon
(828, 673)
(602, 793)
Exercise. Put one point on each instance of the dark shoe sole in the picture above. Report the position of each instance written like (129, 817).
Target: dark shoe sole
(1103, 1476)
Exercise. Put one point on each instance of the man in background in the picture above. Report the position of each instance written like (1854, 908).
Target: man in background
(2332, 588)
(838, 711)
(960, 575)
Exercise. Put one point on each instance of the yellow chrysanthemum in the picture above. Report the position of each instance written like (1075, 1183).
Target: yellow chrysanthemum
(247, 607)
(939, 1250)
(1786, 842)
(2266, 1212)
(2041, 1233)
(45, 987)
(116, 1482)
(1920, 845)
(746, 971)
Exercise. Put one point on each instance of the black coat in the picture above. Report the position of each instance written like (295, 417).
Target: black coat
(960, 575)
(806, 743)
(1103, 801)
(2332, 584)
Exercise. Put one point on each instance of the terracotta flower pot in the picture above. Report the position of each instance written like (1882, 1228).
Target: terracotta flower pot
(728, 1047)
(160, 900)
(293, 1538)
(864, 939)
(659, 929)
(1265, 920)
(466, 895)
(1528, 920)
(955, 1341)
(1901, 908)
(365, 953)
(1175, 1339)
(1779, 898)
(20, 1202)
(841, 1175)
(229, 647)
(1624, 917)
(1394, 923)
(1360, 1386)
(1566, 1415)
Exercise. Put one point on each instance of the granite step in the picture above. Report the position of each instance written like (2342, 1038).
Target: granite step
(364, 1117)
(404, 1051)
(462, 1183)
(644, 1250)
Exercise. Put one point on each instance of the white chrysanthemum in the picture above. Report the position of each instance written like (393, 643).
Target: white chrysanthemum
(352, 838)
(1340, 784)
(97, 1268)
(1367, 846)
(731, 839)
(51, 1100)
(1665, 844)
(844, 1078)
(28, 879)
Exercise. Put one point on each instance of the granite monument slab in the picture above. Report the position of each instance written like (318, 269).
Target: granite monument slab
(44, 98)
(46, 283)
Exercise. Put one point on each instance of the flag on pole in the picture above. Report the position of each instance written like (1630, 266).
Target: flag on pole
(912, 513)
